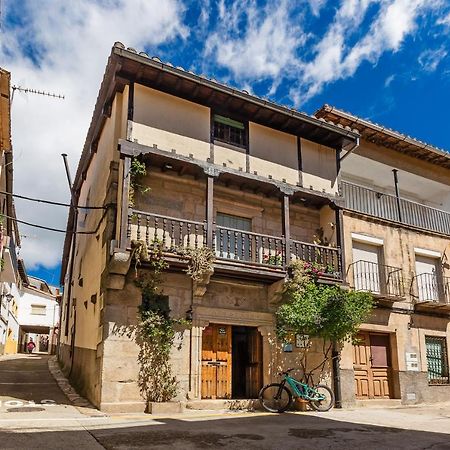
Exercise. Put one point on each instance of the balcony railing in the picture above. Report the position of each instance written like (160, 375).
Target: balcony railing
(242, 247)
(385, 206)
(377, 278)
(432, 289)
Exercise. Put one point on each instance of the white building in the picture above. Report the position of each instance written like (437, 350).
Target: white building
(38, 314)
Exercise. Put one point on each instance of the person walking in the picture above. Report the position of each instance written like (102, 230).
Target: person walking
(31, 346)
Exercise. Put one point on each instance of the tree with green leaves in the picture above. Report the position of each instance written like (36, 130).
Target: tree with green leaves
(326, 312)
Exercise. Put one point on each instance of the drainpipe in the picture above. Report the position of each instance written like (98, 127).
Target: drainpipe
(397, 194)
(335, 353)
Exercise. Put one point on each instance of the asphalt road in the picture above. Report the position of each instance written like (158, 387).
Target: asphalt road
(30, 423)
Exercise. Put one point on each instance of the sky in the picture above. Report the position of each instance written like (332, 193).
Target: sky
(384, 60)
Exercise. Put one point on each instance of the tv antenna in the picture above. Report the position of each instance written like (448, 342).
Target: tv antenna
(34, 91)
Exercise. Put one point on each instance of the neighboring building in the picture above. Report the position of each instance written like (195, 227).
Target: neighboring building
(38, 315)
(226, 169)
(9, 237)
(397, 237)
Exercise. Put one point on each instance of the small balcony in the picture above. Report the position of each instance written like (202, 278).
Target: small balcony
(385, 282)
(258, 254)
(387, 207)
(431, 291)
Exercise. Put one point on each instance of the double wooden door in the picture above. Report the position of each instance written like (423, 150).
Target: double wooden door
(231, 362)
(372, 366)
(216, 361)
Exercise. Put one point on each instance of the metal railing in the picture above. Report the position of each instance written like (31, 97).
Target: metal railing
(432, 288)
(385, 206)
(377, 278)
(230, 244)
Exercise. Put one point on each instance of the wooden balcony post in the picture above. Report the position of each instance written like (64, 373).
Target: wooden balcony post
(125, 203)
(286, 229)
(340, 241)
(209, 210)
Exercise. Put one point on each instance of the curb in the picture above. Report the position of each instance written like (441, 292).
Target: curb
(83, 405)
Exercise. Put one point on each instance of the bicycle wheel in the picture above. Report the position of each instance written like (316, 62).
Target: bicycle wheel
(275, 398)
(325, 398)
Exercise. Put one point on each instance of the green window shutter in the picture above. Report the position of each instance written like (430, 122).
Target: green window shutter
(227, 121)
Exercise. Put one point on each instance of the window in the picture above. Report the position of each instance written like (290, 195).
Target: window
(38, 310)
(366, 268)
(427, 271)
(229, 131)
(437, 361)
(232, 241)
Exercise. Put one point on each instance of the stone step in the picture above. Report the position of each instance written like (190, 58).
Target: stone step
(223, 404)
(379, 403)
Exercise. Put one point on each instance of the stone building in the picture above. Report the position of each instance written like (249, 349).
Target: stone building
(397, 228)
(9, 235)
(215, 180)
(261, 185)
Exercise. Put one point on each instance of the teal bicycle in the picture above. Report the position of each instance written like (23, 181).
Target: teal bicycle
(277, 398)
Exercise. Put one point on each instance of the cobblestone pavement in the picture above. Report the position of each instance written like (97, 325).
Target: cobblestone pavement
(36, 414)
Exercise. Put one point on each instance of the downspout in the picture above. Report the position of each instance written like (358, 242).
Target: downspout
(335, 351)
(397, 194)
(353, 147)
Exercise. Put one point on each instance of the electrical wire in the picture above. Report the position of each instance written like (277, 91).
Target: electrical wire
(68, 205)
(57, 230)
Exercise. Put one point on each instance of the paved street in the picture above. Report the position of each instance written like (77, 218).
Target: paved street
(35, 414)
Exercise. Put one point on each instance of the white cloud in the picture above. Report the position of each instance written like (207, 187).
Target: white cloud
(445, 21)
(429, 60)
(73, 41)
(388, 81)
(335, 59)
(255, 42)
(316, 6)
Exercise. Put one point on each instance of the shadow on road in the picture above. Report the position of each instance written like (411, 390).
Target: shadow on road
(286, 431)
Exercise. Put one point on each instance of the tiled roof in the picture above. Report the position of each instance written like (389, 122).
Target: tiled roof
(383, 135)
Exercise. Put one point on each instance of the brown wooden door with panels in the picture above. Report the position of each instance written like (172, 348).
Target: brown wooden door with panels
(372, 366)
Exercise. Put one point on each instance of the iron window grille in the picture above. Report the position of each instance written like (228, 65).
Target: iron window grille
(437, 360)
(229, 131)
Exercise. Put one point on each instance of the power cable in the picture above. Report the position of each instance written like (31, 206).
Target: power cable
(67, 205)
(57, 230)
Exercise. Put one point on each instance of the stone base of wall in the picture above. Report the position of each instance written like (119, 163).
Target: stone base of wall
(85, 374)
(415, 389)
(348, 388)
(122, 407)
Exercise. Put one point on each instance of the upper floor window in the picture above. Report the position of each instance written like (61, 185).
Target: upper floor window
(230, 131)
(39, 310)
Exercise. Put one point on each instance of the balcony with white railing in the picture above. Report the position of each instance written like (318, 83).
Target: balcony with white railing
(388, 207)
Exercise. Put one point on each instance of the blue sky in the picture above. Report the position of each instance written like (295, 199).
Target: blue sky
(383, 60)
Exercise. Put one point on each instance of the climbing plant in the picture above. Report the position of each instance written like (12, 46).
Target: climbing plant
(156, 329)
(327, 312)
(138, 170)
(200, 263)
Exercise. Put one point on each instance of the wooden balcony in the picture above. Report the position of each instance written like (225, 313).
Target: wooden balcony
(385, 282)
(388, 207)
(431, 290)
(254, 254)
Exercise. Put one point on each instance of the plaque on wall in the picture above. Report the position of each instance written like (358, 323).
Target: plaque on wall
(412, 362)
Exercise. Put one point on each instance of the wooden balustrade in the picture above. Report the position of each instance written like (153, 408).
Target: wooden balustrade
(243, 247)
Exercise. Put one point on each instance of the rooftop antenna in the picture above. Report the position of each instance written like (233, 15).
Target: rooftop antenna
(34, 91)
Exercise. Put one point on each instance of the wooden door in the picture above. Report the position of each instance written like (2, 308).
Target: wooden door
(371, 364)
(254, 367)
(216, 361)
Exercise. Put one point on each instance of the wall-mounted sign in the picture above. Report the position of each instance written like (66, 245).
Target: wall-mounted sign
(222, 330)
(302, 341)
(287, 347)
(412, 362)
